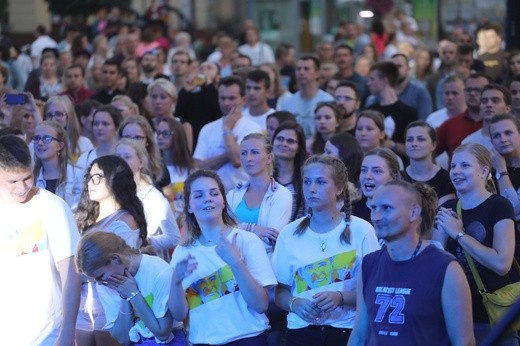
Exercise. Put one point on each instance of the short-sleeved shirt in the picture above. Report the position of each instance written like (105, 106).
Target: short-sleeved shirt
(479, 223)
(34, 237)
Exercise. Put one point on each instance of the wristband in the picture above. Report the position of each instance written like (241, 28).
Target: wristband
(131, 296)
(342, 300)
(291, 302)
(459, 235)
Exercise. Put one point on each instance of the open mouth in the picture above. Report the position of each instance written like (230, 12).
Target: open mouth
(369, 186)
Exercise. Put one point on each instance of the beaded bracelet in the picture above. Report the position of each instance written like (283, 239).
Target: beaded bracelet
(131, 296)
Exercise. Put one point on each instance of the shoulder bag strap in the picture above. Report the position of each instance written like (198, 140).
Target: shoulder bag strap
(471, 264)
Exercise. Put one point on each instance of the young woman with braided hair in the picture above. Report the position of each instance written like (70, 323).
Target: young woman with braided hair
(317, 257)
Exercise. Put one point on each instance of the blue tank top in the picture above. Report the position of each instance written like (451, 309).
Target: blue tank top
(403, 298)
(245, 214)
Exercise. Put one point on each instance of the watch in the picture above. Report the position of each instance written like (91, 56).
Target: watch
(500, 175)
(459, 235)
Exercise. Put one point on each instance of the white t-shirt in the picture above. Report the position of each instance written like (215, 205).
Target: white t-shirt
(86, 159)
(260, 120)
(303, 109)
(480, 138)
(315, 262)
(259, 53)
(211, 143)
(163, 231)
(153, 279)
(84, 144)
(176, 175)
(34, 237)
(436, 118)
(213, 294)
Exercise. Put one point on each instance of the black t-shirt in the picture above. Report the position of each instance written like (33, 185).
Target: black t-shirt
(401, 113)
(51, 184)
(441, 182)
(361, 210)
(198, 108)
(478, 223)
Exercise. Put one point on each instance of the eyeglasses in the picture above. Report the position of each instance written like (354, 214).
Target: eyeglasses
(341, 98)
(469, 90)
(282, 139)
(135, 138)
(45, 138)
(56, 115)
(94, 178)
(165, 133)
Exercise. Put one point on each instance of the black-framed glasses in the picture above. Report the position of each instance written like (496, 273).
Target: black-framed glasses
(282, 139)
(135, 138)
(45, 138)
(165, 133)
(94, 178)
(58, 115)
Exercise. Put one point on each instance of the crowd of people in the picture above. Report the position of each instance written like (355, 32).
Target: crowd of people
(153, 196)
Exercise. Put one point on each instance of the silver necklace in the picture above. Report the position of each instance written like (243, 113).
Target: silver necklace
(323, 245)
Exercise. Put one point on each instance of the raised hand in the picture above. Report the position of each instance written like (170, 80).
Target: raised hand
(229, 251)
(184, 268)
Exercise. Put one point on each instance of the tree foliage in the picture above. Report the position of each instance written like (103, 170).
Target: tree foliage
(83, 7)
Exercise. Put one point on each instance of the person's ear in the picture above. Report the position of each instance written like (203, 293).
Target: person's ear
(416, 213)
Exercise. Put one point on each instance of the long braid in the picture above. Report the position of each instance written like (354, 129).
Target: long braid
(347, 209)
(304, 223)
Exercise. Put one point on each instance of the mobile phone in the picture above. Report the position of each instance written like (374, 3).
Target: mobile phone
(15, 99)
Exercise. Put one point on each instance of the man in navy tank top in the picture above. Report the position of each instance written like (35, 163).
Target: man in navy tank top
(410, 292)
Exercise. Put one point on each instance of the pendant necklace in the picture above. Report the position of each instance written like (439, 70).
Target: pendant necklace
(323, 245)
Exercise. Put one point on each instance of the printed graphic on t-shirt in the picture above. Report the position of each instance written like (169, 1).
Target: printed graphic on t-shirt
(139, 325)
(212, 287)
(476, 230)
(325, 271)
(391, 302)
(28, 239)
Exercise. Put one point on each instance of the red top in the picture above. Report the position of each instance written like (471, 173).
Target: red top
(82, 95)
(451, 133)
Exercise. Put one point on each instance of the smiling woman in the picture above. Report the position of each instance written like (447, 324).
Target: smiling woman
(483, 229)
(379, 166)
(220, 272)
(53, 166)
